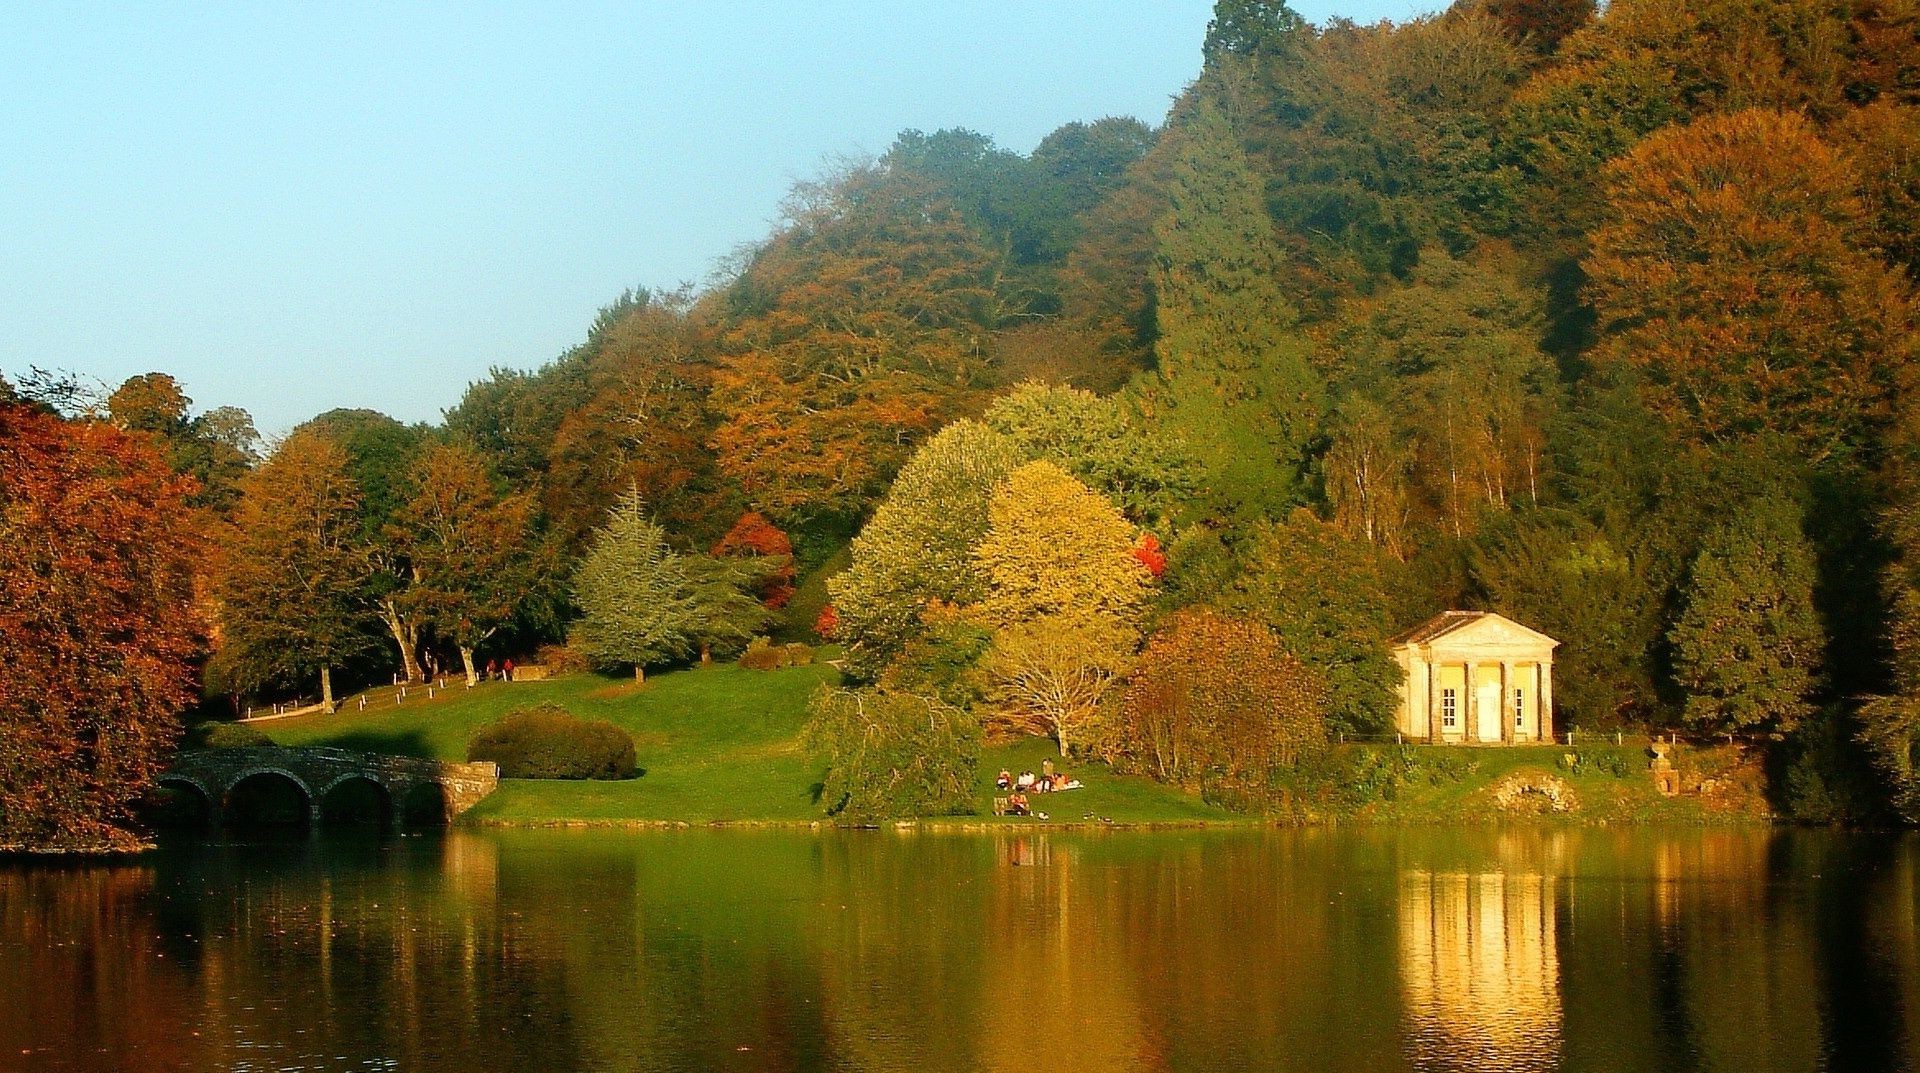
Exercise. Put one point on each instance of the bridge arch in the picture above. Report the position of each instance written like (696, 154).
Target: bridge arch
(423, 804)
(196, 806)
(260, 795)
(355, 797)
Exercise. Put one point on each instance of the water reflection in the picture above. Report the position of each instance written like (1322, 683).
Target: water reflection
(889, 951)
(1480, 968)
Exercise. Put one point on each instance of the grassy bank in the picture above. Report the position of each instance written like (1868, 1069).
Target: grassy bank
(721, 744)
(716, 744)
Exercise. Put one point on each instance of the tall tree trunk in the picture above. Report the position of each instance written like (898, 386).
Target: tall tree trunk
(639, 672)
(326, 690)
(405, 634)
(706, 654)
(466, 658)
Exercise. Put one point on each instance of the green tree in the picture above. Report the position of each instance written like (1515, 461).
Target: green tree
(292, 586)
(634, 592)
(1329, 600)
(1252, 28)
(725, 607)
(1747, 646)
(890, 755)
(1148, 473)
(918, 548)
(1234, 378)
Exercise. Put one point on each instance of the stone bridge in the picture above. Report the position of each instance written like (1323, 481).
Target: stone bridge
(266, 782)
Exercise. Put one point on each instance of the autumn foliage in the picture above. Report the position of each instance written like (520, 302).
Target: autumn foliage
(97, 626)
(1215, 699)
(754, 536)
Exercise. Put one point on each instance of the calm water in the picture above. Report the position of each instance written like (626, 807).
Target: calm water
(1316, 950)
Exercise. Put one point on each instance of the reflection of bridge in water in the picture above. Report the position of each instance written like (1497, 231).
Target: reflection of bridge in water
(328, 783)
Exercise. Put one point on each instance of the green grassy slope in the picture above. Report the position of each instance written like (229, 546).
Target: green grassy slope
(717, 744)
(721, 744)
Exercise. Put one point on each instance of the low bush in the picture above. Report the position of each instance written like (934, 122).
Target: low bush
(549, 742)
(216, 735)
(763, 655)
(561, 659)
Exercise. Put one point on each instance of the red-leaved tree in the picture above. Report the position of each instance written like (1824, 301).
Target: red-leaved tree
(97, 626)
(753, 536)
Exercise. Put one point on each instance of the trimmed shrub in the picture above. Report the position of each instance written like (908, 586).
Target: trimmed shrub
(764, 655)
(799, 655)
(549, 742)
(216, 735)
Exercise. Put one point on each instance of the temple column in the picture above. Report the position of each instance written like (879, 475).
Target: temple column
(1543, 701)
(1508, 731)
(1434, 732)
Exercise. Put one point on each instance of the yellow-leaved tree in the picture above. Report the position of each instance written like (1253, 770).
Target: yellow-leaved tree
(1065, 598)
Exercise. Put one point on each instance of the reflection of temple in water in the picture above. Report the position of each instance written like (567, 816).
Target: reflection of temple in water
(1480, 970)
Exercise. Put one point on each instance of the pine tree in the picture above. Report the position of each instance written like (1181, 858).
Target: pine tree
(634, 593)
(1747, 647)
(1234, 379)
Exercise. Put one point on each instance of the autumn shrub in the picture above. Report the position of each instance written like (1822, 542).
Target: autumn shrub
(799, 655)
(216, 735)
(561, 659)
(549, 742)
(892, 755)
(1216, 704)
(764, 655)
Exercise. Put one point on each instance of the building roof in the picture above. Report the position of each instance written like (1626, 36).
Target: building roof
(1450, 622)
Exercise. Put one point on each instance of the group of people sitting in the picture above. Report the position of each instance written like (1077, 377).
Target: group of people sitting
(1048, 781)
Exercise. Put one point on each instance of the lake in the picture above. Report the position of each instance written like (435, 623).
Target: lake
(1497, 949)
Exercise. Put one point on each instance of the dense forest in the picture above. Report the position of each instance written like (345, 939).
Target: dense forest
(1602, 320)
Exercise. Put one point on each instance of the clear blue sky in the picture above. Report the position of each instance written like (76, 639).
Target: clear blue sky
(293, 207)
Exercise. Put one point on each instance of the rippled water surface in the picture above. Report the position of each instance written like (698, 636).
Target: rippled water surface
(729, 950)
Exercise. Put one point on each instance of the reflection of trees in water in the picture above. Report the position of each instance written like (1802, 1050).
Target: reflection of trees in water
(84, 965)
(308, 955)
(891, 951)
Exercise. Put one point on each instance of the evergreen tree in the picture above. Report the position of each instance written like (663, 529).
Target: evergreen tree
(1234, 378)
(634, 593)
(1747, 646)
(726, 611)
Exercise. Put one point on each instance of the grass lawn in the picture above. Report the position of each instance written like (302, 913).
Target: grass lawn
(721, 744)
(716, 744)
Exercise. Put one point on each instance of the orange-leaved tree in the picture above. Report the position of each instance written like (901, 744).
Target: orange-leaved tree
(292, 584)
(861, 327)
(97, 627)
(1216, 697)
(472, 553)
(1734, 278)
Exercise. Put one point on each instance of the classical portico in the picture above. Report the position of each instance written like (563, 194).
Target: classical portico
(1475, 678)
